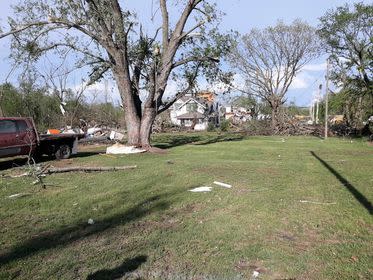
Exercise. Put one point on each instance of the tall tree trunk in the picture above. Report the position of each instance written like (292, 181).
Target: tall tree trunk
(147, 121)
(131, 113)
(275, 116)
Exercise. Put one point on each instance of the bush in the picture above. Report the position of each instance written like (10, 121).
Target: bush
(211, 127)
(224, 125)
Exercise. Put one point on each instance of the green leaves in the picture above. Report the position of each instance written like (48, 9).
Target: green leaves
(347, 32)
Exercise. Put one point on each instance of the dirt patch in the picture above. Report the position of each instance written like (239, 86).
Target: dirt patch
(267, 171)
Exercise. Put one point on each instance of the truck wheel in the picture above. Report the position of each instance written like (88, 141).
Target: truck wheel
(63, 152)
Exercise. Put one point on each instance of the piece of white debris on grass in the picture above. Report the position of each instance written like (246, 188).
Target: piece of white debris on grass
(255, 275)
(18, 195)
(201, 189)
(123, 149)
(317, 202)
(222, 184)
(91, 221)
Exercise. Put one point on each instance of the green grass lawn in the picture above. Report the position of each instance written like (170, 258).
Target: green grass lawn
(149, 226)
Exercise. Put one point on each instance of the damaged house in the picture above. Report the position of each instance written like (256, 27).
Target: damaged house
(195, 111)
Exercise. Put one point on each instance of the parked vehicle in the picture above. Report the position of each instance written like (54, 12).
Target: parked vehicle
(18, 136)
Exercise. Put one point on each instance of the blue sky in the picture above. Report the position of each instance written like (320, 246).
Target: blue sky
(241, 15)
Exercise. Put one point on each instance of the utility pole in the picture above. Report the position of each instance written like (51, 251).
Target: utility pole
(317, 104)
(326, 98)
(312, 115)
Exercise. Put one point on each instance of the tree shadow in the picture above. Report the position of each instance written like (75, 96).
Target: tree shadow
(21, 161)
(171, 141)
(358, 195)
(12, 162)
(129, 265)
(87, 154)
(80, 231)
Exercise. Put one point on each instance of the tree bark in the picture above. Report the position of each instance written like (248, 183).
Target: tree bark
(275, 115)
(147, 121)
(131, 112)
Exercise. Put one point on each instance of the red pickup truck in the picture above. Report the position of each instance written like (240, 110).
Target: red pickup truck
(18, 136)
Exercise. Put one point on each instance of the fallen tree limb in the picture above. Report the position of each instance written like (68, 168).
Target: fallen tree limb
(316, 202)
(16, 176)
(87, 169)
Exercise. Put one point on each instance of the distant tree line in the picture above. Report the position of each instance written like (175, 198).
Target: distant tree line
(44, 107)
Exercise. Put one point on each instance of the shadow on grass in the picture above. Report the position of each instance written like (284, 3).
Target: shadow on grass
(21, 161)
(77, 232)
(170, 141)
(87, 154)
(12, 162)
(358, 195)
(129, 265)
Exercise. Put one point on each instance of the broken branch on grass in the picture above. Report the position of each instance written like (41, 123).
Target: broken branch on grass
(87, 169)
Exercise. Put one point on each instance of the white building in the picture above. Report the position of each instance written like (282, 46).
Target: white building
(188, 111)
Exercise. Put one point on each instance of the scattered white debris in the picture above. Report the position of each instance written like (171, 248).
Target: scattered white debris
(93, 130)
(18, 195)
(316, 202)
(201, 189)
(116, 135)
(123, 149)
(91, 221)
(20, 175)
(282, 140)
(222, 184)
(35, 182)
(255, 275)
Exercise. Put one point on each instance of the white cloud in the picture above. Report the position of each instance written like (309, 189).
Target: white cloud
(315, 67)
(95, 93)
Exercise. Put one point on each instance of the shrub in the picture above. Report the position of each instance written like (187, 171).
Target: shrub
(224, 125)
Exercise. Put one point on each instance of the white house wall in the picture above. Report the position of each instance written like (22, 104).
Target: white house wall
(181, 109)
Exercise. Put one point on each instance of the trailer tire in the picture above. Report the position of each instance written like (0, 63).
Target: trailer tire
(63, 152)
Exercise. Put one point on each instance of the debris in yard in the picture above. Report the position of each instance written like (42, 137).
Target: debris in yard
(87, 169)
(91, 221)
(94, 131)
(122, 149)
(201, 189)
(53, 131)
(18, 195)
(255, 275)
(37, 181)
(316, 202)
(170, 162)
(222, 184)
(116, 135)
(18, 175)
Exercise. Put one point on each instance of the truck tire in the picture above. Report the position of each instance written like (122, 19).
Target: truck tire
(63, 152)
